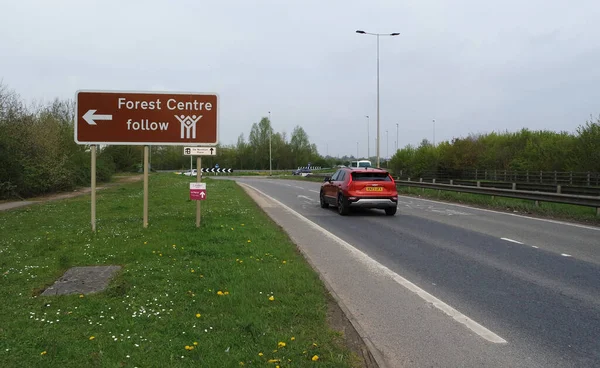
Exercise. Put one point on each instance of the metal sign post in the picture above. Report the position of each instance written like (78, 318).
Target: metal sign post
(93, 148)
(198, 180)
(146, 186)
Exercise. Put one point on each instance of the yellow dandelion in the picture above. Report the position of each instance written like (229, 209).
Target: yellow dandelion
(192, 270)
(153, 252)
(314, 358)
(249, 241)
(241, 261)
(273, 361)
(201, 275)
(271, 298)
(226, 293)
(160, 254)
(284, 262)
(242, 224)
(92, 337)
(275, 350)
(260, 354)
(43, 352)
(231, 228)
(198, 315)
(145, 242)
(81, 295)
(220, 292)
(276, 366)
(195, 343)
(241, 363)
(281, 344)
(292, 338)
(315, 344)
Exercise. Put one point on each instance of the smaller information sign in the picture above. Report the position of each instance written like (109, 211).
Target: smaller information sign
(197, 191)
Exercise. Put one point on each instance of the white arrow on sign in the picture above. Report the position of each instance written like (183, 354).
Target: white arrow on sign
(90, 118)
(202, 195)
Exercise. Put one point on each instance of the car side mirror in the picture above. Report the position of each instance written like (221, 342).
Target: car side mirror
(327, 178)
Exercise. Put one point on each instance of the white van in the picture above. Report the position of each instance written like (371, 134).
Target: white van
(360, 163)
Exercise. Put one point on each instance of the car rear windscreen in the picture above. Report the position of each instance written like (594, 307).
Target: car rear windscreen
(370, 176)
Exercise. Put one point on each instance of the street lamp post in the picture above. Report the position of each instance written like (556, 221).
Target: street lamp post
(270, 138)
(397, 143)
(377, 34)
(368, 139)
(387, 149)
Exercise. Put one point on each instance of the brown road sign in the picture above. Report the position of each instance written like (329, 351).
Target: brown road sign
(146, 118)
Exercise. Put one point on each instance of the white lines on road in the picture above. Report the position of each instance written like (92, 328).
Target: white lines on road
(307, 198)
(565, 255)
(535, 246)
(374, 265)
(297, 187)
(512, 241)
(506, 213)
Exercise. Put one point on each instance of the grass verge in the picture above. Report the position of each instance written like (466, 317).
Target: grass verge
(235, 292)
(545, 209)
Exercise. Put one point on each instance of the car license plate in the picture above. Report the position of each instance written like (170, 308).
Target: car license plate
(374, 189)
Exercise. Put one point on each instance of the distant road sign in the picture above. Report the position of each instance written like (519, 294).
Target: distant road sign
(146, 118)
(199, 151)
(216, 169)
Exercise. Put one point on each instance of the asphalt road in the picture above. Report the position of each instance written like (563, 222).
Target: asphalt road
(523, 292)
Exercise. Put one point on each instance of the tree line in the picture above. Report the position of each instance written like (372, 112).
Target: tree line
(524, 150)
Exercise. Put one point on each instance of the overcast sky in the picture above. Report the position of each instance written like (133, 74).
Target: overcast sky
(474, 66)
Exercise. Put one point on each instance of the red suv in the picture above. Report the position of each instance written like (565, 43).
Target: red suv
(363, 187)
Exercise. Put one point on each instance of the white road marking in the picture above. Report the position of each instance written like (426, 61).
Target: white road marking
(512, 241)
(307, 198)
(535, 246)
(508, 214)
(371, 263)
(297, 187)
(565, 255)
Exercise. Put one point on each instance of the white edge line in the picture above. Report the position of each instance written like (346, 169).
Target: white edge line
(365, 259)
(512, 241)
(506, 213)
(565, 255)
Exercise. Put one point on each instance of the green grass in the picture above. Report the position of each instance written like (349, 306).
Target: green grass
(171, 272)
(546, 209)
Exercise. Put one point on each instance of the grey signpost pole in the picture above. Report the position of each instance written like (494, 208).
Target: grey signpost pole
(93, 148)
(146, 186)
(198, 179)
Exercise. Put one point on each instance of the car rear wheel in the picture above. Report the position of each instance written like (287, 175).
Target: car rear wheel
(342, 205)
(324, 204)
(390, 211)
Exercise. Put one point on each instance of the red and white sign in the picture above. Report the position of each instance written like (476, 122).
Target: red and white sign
(146, 118)
(197, 191)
